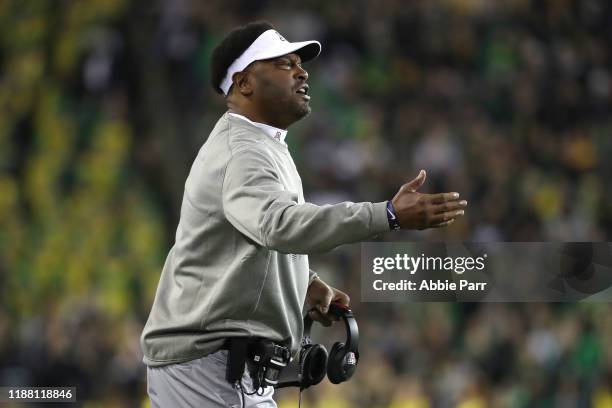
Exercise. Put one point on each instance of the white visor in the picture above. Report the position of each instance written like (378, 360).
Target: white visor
(270, 44)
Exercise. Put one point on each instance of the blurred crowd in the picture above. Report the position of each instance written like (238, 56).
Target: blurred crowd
(104, 104)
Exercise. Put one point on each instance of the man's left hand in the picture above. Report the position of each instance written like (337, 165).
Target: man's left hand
(318, 296)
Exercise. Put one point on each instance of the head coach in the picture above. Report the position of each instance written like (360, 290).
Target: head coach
(239, 264)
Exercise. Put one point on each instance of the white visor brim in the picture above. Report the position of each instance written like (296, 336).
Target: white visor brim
(270, 44)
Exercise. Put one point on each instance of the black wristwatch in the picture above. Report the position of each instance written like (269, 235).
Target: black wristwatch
(391, 217)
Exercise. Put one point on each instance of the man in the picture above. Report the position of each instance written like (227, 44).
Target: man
(239, 268)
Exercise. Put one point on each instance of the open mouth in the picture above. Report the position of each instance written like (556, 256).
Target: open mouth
(303, 90)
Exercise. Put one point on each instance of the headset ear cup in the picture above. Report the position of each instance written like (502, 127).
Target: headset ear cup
(334, 364)
(338, 368)
(313, 364)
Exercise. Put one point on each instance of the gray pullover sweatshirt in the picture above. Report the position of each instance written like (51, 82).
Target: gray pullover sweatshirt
(239, 264)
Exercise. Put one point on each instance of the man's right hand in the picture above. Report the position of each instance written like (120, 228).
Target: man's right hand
(419, 211)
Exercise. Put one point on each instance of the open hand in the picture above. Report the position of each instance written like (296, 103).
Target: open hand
(416, 210)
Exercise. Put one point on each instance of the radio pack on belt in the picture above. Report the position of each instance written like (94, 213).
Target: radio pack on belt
(264, 358)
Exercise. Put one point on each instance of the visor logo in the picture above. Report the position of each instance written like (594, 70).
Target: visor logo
(280, 36)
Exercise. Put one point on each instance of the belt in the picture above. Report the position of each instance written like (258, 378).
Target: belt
(254, 344)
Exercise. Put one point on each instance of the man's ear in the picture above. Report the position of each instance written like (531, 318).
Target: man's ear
(243, 82)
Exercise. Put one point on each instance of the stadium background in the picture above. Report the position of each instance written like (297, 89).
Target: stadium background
(104, 104)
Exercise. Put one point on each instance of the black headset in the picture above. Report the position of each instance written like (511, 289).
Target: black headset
(314, 361)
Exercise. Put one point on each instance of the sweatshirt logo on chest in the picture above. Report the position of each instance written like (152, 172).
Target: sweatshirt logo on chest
(277, 136)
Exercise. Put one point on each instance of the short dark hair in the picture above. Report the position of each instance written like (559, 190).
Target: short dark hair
(232, 47)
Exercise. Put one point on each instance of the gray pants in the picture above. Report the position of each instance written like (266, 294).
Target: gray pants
(201, 383)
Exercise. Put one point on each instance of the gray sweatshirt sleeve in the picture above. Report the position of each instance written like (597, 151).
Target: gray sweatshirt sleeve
(256, 202)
